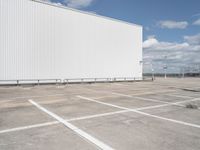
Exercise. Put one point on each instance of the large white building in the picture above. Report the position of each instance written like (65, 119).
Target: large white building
(39, 40)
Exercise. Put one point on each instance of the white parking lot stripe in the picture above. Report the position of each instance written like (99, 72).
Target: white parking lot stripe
(153, 100)
(56, 122)
(153, 92)
(99, 115)
(142, 113)
(78, 131)
(180, 96)
(26, 97)
(120, 94)
(29, 127)
(145, 99)
(91, 116)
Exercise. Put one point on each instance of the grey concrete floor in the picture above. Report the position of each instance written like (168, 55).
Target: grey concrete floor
(119, 116)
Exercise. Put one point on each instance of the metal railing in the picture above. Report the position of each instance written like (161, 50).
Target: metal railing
(30, 81)
(70, 80)
(100, 80)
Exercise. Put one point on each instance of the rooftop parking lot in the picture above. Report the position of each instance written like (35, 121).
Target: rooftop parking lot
(159, 115)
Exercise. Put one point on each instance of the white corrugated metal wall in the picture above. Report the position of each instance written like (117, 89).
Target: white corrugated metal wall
(40, 41)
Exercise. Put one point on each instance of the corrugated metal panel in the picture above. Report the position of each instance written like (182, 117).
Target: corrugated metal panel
(40, 41)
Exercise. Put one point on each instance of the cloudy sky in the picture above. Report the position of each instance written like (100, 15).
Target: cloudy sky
(171, 28)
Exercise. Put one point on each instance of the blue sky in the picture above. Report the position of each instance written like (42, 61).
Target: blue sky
(171, 28)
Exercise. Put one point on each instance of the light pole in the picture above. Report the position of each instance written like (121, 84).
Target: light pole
(183, 72)
(152, 71)
(165, 66)
(199, 70)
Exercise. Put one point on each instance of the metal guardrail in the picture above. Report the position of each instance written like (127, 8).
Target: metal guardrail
(30, 81)
(86, 80)
(72, 80)
(96, 80)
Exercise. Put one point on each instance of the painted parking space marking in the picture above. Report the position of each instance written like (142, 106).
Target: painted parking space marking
(99, 115)
(92, 116)
(29, 127)
(153, 92)
(78, 131)
(180, 96)
(26, 97)
(142, 113)
(170, 104)
(120, 94)
(145, 99)
(143, 93)
(56, 122)
(153, 100)
(125, 95)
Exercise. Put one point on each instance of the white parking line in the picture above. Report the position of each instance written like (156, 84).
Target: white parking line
(29, 127)
(156, 92)
(145, 99)
(90, 117)
(25, 97)
(56, 122)
(170, 104)
(180, 96)
(99, 115)
(144, 93)
(153, 100)
(142, 113)
(192, 100)
(111, 96)
(129, 96)
(78, 131)
(120, 94)
(167, 103)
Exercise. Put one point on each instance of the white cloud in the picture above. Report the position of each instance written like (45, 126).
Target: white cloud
(196, 15)
(169, 24)
(54, 3)
(74, 3)
(178, 54)
(195, 39)
(78, 3)
(150, 42)
(153, 43)
(197, 22)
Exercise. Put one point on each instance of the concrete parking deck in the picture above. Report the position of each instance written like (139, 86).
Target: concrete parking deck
(115, 116)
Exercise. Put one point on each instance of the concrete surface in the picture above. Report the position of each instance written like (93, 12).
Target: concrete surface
(120, 116)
